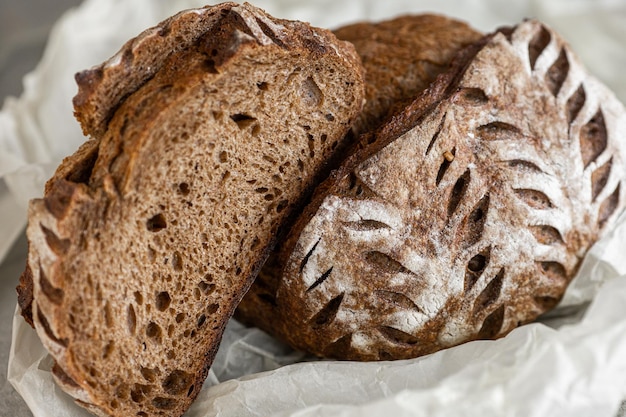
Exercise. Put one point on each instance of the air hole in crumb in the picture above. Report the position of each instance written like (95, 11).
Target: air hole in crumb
(108, 315)
(223, 156)
(209, 66)
(242, 120)
(149, 374)
(163, 403)
(201, 320)
(108, 349)
(263, 86)
(190, 391)
(154, 331)
(180, 317)
(212, 308)
(177, 383)
(163, 301)
(330, 117)
(206, 288)
(156, 223)
(183, 188)
(131, 319)
(177, 262)
(281, 205)
(261, 190)
(311, 94)
(140, 392)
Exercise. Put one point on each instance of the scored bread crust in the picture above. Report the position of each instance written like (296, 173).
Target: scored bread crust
(401, 57)
(207, 130)
(467, 216)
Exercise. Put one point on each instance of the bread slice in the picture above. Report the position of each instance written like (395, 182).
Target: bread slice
(468, 214)
(208, 131)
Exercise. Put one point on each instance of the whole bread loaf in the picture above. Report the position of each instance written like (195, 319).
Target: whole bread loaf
(467, 215)
(207, 130)
(401, 58)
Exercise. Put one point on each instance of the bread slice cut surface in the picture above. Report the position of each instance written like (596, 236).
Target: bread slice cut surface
(149, 236)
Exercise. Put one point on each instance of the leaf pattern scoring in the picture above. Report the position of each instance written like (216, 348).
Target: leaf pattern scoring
(469, 220)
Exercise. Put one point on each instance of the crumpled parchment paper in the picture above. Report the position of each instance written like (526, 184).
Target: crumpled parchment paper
(572, 363)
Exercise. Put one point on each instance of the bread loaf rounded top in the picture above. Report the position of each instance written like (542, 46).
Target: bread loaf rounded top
(466, 215)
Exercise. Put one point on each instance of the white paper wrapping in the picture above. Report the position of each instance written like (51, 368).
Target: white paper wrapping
(573, 364)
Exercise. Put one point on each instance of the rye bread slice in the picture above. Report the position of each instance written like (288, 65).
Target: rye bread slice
(466, 217)
(208, 130)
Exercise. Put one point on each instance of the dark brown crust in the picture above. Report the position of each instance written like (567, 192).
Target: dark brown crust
(74, 169)
(25, 295)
